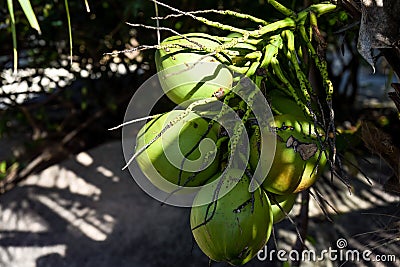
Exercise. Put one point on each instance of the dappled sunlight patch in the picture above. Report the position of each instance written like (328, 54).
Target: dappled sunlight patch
(107, 173)
(62, 178)
(29, 83)
(26, 256)
(84, 158)
(10, 219)
(85, 221)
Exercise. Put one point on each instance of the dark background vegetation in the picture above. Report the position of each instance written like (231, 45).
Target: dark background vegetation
(72, 115)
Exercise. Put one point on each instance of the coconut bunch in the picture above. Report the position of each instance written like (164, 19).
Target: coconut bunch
(250, 131)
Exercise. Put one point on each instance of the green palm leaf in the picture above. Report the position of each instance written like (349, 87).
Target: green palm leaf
(30, 15)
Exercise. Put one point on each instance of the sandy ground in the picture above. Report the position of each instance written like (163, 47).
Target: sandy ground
(85, 211)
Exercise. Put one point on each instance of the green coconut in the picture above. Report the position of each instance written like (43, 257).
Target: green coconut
(187, 73)
(161, 161)
(238, 228)
(298, 160)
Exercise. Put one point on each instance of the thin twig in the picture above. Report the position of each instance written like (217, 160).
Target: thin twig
(320, 196)
(203, 20)
(134, 121)
(221, 12)
(164, 29)
(157, 24)
(321, 206)
(139, 48)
